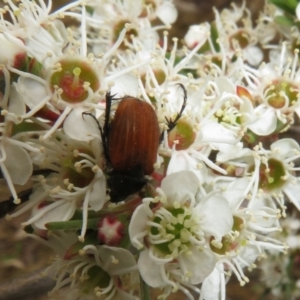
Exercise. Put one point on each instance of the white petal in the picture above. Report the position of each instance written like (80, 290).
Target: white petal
(200, 263)
(149, 270)
(167, 13)
(219, 137)
(18, 163)
(98, 194)
(181, 160)
(125, 85)
(298, 11)
(124, 257)
(16, 104)
(234, 192)
(210, 289)
(81, 128)
(248, 254)
(293, 191)
(178, 186)
(62, 211)
(32, 91)
(253, 55)
(265, 124)
(218, 222)
(138, 224)
(286, 147)
(225, 85)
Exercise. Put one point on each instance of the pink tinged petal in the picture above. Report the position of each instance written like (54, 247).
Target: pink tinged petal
(138, 226)
(286, 147)
(211, 286)
(194, 35)
(149, 270)
(167, 13)
(108, 255)
(18, 164)
(292, 191)
(199, 263)
(55, 212)
(79, 127)
(98, 194)
(180, 185)
(9, 50)
(217, 216)
(265, 124)
(32, 91)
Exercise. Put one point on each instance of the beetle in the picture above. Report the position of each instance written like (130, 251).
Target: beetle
(130, 143)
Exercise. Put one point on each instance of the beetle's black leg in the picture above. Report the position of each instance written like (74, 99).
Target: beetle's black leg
(172, 123)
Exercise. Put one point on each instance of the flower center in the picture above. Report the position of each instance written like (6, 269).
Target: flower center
(172, 229)
(281, 92)
(128, 36)
(73, 77)
(182, 135)
(77, 170)
(271, 174)
(230, 241)
(241, 37)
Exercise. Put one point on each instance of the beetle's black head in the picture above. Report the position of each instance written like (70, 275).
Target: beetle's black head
(122, 185)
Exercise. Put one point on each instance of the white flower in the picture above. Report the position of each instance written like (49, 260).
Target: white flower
(175, 227)
(76, 181)
(94, 272)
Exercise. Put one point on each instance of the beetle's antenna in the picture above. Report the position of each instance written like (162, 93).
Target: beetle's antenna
(172, 123)
(97, 122)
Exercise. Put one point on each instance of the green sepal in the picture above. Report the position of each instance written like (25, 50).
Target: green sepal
(250, 137)
(28, 229)
(25, 127)
(72, 225)
(35, 67)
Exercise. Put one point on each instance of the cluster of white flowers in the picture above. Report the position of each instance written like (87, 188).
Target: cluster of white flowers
(209, 203)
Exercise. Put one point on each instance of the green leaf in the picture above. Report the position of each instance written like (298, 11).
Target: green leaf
(285, 20)
(288, 6)
(72, 225)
